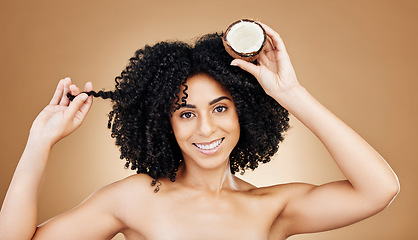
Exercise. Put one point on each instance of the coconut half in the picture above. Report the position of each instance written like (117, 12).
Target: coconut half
(244, 39)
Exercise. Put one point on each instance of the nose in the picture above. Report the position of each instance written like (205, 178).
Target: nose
(206, 125)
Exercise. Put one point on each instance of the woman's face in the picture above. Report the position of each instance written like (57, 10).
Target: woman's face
(207, 127)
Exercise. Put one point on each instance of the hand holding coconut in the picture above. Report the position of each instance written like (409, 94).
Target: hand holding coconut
(273, 70)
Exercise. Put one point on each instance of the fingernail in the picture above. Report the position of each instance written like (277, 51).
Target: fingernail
(234, 63)
(84, 96)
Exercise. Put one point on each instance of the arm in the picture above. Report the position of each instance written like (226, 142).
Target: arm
(57, 120)
(98, 217)
(371, 184)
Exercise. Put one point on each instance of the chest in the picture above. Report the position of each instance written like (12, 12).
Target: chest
(197, 217)
(213, 223)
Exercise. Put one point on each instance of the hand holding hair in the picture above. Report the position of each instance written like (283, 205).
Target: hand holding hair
(61, 117)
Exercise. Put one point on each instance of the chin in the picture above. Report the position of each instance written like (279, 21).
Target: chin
(210, 162)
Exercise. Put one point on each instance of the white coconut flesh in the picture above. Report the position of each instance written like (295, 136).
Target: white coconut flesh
(245, 37)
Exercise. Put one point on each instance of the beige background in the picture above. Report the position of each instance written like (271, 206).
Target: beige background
(359, 58)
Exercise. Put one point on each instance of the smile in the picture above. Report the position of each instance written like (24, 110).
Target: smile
(209, 146)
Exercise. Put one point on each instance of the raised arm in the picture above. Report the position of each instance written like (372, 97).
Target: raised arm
(18, 216)
(371, 184)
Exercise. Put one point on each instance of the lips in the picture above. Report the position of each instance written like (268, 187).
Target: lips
(209, 147)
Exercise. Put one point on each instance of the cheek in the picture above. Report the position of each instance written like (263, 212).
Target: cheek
(236, 126)
(231, 125)
(182, 131)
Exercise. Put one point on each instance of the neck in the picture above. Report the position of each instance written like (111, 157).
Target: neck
(212, 180)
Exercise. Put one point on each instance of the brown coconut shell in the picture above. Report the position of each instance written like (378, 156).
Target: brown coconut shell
(249, 57)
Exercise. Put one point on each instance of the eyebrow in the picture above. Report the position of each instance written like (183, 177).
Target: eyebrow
(218, 99)
(210, 103)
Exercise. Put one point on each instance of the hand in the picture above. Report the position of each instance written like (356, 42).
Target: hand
(61, 117)
(274, 71)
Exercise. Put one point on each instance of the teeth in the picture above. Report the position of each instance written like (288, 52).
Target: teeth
(209, 146)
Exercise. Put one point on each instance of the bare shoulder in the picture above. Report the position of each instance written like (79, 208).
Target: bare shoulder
(276, 199)
(283, 191)
(115, 199)
(133, 198)
(137, 187)
(286, 190)
(244, 185)
(101, 215)
(140, 181)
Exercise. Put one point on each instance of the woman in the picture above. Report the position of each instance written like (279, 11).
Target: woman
(211, 117)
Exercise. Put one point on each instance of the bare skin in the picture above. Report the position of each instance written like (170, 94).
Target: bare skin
(206, 201)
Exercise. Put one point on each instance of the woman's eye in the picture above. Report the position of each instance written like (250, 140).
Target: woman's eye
(186, 115)
(220, 109)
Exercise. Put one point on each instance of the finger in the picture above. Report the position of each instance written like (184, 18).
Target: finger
(75, 105)
(87, 104)
(74, 90)
(275, 37)
(88, 87)
(269, 46)
(64, 99)
(247, 66)
(268, 50)
(263, 59)
(58, 93)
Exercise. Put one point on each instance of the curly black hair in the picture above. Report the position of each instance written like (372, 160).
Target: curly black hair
(146, 94)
